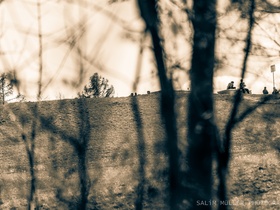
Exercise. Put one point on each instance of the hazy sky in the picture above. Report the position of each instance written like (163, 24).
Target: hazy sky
(105, 48)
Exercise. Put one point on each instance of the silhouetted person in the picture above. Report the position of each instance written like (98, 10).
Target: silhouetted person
(275, 91)
(243, 87)
(265, 90)
(231, 85)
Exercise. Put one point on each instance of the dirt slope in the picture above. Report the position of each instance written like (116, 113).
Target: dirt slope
(112, 156)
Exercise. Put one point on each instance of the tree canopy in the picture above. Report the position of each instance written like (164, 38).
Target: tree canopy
(98, 87)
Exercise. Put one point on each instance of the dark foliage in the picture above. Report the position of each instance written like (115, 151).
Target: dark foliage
(98, 87)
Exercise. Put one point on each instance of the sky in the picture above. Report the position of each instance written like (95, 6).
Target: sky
(104, 44)
(108, 47)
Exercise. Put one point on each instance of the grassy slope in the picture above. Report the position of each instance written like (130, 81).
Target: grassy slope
(255, 170)
(112, 158)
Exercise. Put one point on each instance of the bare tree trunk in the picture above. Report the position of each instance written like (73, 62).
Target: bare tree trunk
(224, 153)
(201, 122)
(30, 153)
(30, 145)
(141, 147)
(150, 16)
(3, 89)
(141, 154)
(81, 147)
(40, 53)
(83, 176)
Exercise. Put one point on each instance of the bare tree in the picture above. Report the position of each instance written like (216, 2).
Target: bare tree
(201, 118)
(6, 87)
(150, 16)
(204, 141)
(30, 142)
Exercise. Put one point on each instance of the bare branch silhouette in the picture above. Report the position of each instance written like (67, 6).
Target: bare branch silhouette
(224, 151)
(150, 16)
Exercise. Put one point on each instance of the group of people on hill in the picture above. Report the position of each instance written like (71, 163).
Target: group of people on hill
(243, 89)
(242, 86)
(275, 91)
